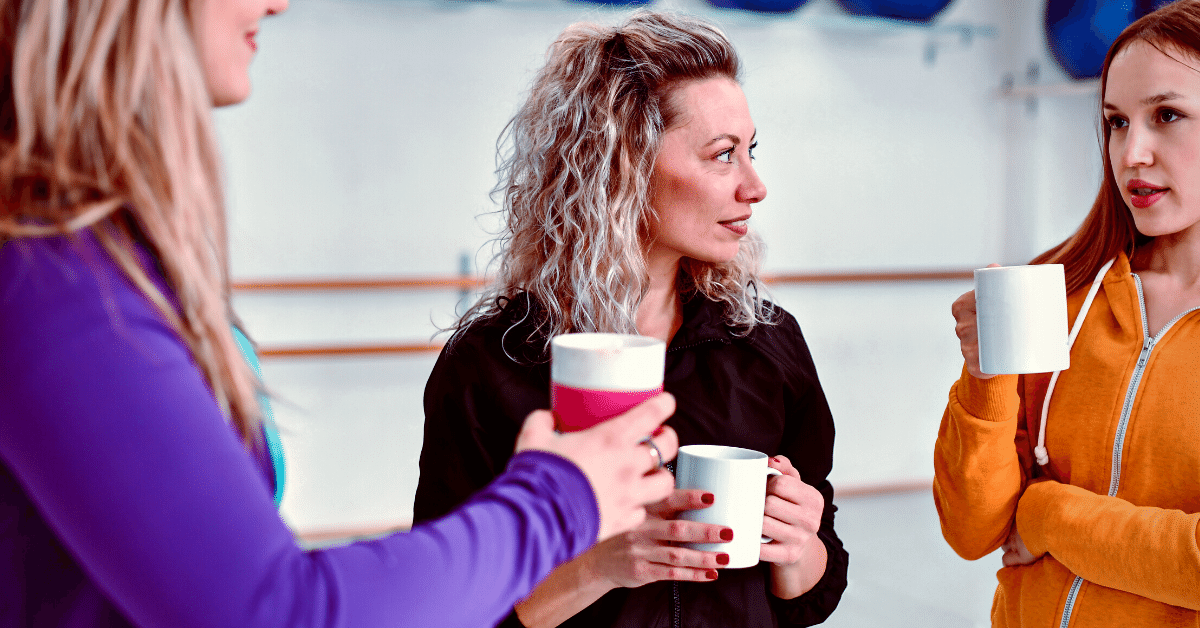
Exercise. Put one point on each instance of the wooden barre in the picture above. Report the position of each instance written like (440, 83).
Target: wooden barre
(870, 277)
(382, 283)
(365, 531)
(890, 488)
(469, 282)
(331, 351)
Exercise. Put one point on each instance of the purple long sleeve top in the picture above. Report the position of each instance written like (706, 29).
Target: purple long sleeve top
(126, 498)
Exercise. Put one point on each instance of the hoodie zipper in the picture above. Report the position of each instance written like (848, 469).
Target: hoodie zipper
(1114, 482)
(676, 606)
(676, 619)
(676, 602)
(702, 341)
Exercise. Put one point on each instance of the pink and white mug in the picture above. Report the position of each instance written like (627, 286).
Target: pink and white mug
(595, 377)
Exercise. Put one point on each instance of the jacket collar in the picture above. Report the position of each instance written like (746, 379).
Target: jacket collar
(1121, 291)
(703, 321)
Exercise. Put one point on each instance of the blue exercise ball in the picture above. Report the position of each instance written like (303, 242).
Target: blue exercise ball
(1148, 6)
(921, 11)
(620, 3)
(760, 6)
(1079, 32)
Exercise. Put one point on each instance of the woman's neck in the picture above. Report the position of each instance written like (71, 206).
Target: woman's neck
(1169, 268)
(660, 313)
(1176, 256)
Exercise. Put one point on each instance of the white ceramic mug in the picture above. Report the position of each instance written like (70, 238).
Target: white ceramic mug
(1021, 314)
(737, 478)
(594, 377)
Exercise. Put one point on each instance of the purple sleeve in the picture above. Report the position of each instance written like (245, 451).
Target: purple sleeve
(113, 433)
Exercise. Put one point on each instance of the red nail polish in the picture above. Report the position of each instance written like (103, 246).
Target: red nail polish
(712, 574)
(707, 498)
(727, 533)
(657, 431)
(722, 559)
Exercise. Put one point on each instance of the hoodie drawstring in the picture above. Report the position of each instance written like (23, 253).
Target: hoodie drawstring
(1043, 456)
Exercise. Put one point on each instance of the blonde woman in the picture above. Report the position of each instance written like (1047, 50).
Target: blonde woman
(626, 193)
(135, 486)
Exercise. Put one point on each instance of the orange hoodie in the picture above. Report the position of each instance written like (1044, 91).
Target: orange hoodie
(1113, 516)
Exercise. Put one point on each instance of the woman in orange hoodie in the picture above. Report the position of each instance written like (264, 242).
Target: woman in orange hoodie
(1095, 495)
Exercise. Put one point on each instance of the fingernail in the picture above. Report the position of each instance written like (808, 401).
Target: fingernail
(657, 431)
(706, 498)
(722, 559)
(727, 533)
(712, 573)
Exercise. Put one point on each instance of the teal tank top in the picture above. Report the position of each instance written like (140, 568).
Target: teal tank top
(270, 431)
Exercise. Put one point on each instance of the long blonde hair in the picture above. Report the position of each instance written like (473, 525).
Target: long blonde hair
(575, 178)
(106, 126)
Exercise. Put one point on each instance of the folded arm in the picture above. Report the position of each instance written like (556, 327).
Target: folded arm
(1147, 551)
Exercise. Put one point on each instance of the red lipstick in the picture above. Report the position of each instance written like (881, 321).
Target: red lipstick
(1143, 194)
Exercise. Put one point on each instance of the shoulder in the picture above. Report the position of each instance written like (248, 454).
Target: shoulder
(508, 331)
(77, 264)
(491, 365)
(46, 267)
(1117, 271)
(780, 318)
(709, 319)
(57, 284)
(781, 341)
(781, 329)
(493, 349)
(69, 315)
(1117, 288)
(45, 281)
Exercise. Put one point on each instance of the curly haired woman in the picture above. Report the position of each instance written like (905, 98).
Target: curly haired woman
(626, 193)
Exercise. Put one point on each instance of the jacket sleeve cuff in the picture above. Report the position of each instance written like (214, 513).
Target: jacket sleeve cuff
(819, 602)
(1033, 513)
(993, 399)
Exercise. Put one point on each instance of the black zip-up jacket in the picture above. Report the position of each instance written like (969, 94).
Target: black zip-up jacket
(758, 391)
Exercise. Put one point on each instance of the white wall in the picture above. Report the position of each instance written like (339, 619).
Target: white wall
(368, 147)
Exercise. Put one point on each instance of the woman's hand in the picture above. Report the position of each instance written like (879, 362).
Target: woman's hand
(649, 553)
(1015, 552)
(792, 515)
(966, 327)
(791, 519)
(620, 467)
(630, 559)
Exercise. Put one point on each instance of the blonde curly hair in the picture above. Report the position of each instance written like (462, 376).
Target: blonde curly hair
(575, 164)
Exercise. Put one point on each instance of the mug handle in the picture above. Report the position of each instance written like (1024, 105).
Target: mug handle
(770, 471)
